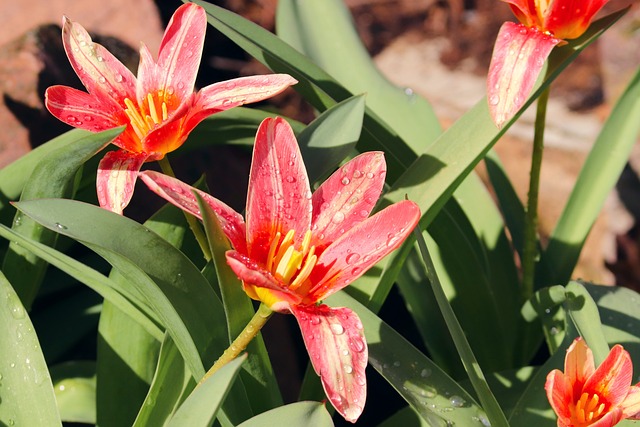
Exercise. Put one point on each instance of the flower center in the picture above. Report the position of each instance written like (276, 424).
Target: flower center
(588, 408)
(288, 264)
(150, 114)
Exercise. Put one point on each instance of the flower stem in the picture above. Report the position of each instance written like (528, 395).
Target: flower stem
(242, 341)
(530, 250)
(191, 220)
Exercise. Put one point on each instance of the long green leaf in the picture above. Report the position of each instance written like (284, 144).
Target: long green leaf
(476, 376)
(199, 409)
(303, 24)
(25, 384)
(260, 379)
(51, 177)
(295, 414)
(429, 391)
(161, 274)
(598, 176)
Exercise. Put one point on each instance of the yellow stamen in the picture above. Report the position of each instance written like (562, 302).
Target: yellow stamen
(288, 264)
(142, 124)
(588, 409)
(152, 109)
(165, 113)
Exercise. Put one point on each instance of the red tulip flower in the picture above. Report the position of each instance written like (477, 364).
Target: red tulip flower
(159, 107)
(585, 396)
(522, 49)
(297, 248)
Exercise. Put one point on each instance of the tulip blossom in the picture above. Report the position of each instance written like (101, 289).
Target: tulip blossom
(297, 248)
(522, 49)
(585, 396)
(159, 107)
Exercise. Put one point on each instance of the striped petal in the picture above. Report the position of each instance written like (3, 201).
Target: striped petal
(101, 73)
(179, 56)
(347, 197)
(518, 57)
(181, 195)
(338, 353)
(117, 174)
(359, 248)
(279, 197)
(82, 110)
(233, 93)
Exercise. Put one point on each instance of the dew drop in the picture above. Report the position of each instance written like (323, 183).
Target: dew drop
(357, 344)
(315, 320)
(345, 352)
(356, 271)
(364, 213)
(189, 54)
(352, 258)
(357, 174)
(291, 179)
(494, 100)
(102, 80)
(348, 369)
(392, 240)
(345, 181)
(338, 217)
(61, 226)
(118, 78)
(180, 85)
(370, 175)
(100, 58)
(425, 373)
(396, 363)
(457, 401)
(337, 329)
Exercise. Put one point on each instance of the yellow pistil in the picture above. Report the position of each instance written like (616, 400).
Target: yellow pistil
(290, 265)
(588, 408)
(142, 124)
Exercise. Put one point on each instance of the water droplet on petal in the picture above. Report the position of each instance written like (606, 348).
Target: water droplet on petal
(345, 181)
(338, 217)
(337, 328)
(102, 80)
(494, 100)
(315, 320)
(291, 179)
(352, 258)
(357, 174)
(118, 78)
(348, 369)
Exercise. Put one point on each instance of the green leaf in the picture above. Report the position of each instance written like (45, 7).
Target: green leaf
(331, 137)
(126, 351)
(476, 376)
(25, 384)
(260, 380)
(200, 408)
(160, 275)
(14, 176)
(429, 391)
(295, 414)
(584, 314)
(108, 289)
(75, 389)
(339, 52)
(407, 417)
(598, 176)
(51, 177)
(171, 382)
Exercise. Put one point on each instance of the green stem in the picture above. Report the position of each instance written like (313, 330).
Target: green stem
(242, 341)
(191, 220)
(530, 250)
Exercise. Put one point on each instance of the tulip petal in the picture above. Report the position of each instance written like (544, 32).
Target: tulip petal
(82, 110)
(518, 57)
(560, 394)
(181, 50)
(613, 377)
(117, 173)
(279, 197)
(631, 404)
(347, 197)
(259, 284)
(101, 73)
(181, 195)
(569, 19)
(359, 248)
(233, 93)
(579, 364)
(338, 353)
